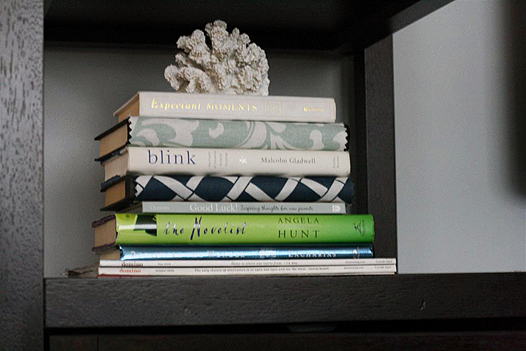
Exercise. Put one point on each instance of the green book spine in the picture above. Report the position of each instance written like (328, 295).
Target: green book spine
(219, 229)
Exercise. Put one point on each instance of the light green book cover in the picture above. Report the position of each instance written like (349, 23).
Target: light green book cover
(220, 229)
(226, 134)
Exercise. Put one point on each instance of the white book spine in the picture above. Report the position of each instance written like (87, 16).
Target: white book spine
(295, 271)
(251, 263)
(237, 107)
(224, 162)
(239, 207)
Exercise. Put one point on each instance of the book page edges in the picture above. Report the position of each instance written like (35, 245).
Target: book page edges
(105, 232)
(130, 108)
(116, 139)
(115, 193)
(116, 166)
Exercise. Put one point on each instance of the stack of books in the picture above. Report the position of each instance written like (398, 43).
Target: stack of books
(230, 185)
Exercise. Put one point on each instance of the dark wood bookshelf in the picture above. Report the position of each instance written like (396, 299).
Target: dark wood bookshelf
(404, 311)
(274, 25)
(186, 301)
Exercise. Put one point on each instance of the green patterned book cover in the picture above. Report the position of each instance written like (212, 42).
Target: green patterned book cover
(214, 229)
(223, 134)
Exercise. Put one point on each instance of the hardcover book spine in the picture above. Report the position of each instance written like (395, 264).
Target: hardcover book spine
(248, 263)
(215, 229)
(354, 252)
(276, 192)
(148, 160)
(239, 207)
(244, 107)
(301, 270)
(227, 134)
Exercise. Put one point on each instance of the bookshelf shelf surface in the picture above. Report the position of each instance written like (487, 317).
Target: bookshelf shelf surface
(83, 302)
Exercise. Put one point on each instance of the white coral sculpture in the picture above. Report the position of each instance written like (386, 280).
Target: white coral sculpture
(231, 65)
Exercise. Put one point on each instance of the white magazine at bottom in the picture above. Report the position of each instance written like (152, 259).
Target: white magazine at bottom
(267, 270)
(287, 262)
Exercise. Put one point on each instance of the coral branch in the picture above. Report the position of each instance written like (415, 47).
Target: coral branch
(230, 65)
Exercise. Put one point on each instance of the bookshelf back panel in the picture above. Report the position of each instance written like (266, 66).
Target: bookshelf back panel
(82, 89)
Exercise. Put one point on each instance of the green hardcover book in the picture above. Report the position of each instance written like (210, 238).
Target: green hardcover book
(220, 229)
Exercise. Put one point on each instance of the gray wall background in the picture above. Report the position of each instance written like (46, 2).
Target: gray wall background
(460, 155)
(460, 139)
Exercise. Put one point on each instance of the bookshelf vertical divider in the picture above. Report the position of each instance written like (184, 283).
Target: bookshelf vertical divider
(375, 164)
(21, 175)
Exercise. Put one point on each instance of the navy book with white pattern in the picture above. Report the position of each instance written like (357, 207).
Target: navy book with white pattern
(121, 192)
